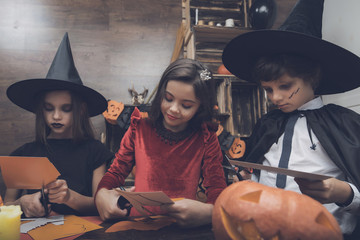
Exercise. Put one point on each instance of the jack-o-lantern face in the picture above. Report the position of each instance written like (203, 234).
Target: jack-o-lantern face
(237, 149)
(250, 210)
(113, 111)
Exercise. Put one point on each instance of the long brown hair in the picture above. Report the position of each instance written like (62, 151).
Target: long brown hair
(81, 126)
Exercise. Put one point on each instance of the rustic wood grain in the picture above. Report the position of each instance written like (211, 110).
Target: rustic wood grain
(115, 43)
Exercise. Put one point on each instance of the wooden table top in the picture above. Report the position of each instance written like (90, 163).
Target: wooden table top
(169, 232)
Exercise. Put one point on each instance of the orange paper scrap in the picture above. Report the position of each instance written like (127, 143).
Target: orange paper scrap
(140, 199)
(73, 225)
(27, 172)
(113, 111)
(142, 224)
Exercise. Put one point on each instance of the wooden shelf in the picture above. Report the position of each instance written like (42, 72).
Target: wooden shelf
(217, 34)
(233, 79)
(222, 76)
(240, 103)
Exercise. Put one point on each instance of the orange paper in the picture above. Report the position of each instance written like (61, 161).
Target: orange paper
(27, 172)
(142, 224)
(113, 111)
(72, 225)
(140, 199)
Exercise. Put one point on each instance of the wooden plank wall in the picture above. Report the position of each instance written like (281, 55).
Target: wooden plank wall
(116, 44)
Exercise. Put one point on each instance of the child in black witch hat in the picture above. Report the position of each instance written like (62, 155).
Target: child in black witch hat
(63, 107)
(294, 66)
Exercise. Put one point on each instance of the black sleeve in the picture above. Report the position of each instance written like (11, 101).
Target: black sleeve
(100, 154)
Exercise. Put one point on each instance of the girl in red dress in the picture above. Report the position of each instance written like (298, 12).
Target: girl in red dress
(171, 149)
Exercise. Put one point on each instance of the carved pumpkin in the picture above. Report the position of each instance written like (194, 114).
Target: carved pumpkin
(113, 111)
(223, 70)
(250, 210)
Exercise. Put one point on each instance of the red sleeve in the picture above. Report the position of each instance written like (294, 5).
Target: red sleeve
(213, 172)
(124, 158)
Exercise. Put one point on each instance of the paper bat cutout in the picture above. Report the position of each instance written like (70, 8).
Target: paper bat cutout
(140, 199)
(289, 172)
(27, 172)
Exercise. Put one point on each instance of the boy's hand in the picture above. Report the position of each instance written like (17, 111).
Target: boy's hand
(245, 175)
(330, 190)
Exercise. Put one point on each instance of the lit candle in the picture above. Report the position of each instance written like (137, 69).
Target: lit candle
(10, 222)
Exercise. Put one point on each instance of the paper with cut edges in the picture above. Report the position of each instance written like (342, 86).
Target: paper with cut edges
(289, 172)
(140, 199)
(38, 222)
(73, 225)
(27, 172)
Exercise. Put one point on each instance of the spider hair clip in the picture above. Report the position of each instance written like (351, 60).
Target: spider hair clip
(205, 75)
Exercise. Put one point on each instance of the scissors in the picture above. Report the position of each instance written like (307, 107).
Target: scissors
(123, 203)
(233, 169)
(45, 201)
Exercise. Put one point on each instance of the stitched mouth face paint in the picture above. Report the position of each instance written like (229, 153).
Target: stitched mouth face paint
(295, 92)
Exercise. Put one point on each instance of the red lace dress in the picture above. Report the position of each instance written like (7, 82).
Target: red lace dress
(172, 168)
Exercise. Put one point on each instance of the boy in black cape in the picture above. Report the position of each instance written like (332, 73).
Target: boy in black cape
(295, 66)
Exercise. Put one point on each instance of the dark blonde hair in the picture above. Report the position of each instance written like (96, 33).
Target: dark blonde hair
(81, 125)
(270, 68)
(187, 71)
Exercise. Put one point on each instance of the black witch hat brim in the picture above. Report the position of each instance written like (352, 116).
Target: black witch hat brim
(62, 75)
(24, 94)
(341, 68)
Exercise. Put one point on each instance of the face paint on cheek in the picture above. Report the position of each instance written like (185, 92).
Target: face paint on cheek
(295, 92)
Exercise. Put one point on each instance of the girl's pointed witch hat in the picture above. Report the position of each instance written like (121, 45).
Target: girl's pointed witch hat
(62, 75)
(300, 35)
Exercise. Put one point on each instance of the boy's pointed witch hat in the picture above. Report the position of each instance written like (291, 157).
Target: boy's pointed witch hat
(62, 75)
(301, 35)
